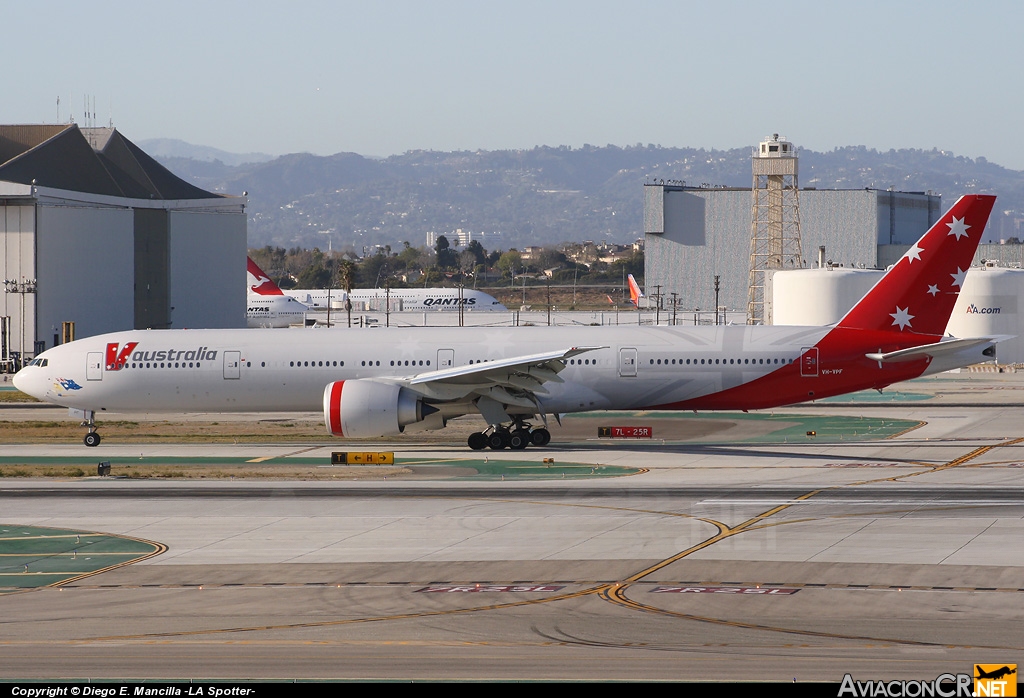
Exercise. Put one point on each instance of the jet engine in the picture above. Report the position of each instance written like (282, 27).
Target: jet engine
(364, 408)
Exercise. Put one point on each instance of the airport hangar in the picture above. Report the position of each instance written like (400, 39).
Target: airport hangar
(94, 231)
(692, 234)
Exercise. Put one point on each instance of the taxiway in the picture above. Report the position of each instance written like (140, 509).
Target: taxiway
(723, 559)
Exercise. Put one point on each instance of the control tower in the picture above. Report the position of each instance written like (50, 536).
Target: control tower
(775, 218)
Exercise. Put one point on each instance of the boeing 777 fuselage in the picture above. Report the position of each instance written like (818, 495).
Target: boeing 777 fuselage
(391, 380)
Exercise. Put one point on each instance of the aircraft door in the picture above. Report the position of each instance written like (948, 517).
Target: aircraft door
(627, 362)
(232, 364)
(809, 362)
(445, 358)
(94, 366)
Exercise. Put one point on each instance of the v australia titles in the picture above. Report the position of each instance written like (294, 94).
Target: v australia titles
(117, 356)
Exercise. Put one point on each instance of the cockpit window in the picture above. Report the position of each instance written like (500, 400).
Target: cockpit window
(38, 362)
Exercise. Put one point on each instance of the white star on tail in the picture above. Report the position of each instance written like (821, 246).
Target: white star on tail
(902, 317)
(914, 253)
(932, 290)
(958, 278)
(958, 228)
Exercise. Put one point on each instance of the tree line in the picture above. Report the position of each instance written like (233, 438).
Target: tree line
(440, 265)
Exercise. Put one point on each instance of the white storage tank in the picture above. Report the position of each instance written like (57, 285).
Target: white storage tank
(817, 296)
(988, 306)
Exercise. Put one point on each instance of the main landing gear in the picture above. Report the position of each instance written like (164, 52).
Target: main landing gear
(92, 438)
(516, 436)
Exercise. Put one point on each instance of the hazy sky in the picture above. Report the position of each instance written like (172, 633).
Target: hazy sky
(380, 78)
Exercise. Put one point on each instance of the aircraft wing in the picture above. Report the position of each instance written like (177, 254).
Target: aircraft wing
(946, 346)
(514, 381)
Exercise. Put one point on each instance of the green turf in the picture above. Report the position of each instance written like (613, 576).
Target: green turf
(832, 428)
(791, 427)
(876, 397)
(31, 556)
(484, 467)
(487, 469)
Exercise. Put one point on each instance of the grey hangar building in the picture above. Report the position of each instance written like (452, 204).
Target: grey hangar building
(96, 236)
(692, 234)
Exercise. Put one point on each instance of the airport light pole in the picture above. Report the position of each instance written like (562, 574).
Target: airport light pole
(716, 298)
(462, 308)
(549, 300)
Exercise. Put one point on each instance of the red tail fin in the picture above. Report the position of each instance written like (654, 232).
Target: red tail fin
(260, 283)
(917, 295)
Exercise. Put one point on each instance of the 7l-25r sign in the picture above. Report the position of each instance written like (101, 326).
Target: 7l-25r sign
(625, 432)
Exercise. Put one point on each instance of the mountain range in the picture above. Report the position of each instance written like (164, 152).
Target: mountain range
(542, 196)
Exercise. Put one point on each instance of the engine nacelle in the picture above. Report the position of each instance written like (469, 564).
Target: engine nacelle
(363, 409)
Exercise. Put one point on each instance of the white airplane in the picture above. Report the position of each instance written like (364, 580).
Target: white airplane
(409, 299)
(394, 380)
(274, 311)
(267, 306)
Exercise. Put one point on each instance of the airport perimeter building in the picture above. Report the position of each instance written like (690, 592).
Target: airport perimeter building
(692, 234)
(95, 232)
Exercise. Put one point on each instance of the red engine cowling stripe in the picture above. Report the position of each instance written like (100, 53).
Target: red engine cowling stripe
(335, 407)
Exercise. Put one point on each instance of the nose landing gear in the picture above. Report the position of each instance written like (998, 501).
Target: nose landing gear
(92, 438)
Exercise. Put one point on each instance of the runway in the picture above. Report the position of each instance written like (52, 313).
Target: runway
(719, 560)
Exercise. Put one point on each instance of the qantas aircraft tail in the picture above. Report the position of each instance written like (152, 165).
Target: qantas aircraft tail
(260, 283)
(635, 294)
(916, 296)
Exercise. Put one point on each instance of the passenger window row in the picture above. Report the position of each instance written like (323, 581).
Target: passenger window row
(154, 364)
(705, 362)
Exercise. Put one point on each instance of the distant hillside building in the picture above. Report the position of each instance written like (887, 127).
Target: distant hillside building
(692, 234)
(95, 232)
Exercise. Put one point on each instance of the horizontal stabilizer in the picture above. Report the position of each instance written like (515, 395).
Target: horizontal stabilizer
(947, 346)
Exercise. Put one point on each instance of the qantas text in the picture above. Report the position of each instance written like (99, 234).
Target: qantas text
(448, 301)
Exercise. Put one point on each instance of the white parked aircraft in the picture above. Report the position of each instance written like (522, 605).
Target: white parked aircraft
(406, 299)
(390, 380)
(274, 311)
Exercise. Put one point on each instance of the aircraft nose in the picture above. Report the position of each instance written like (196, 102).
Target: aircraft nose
(28, 381)
(20, 381)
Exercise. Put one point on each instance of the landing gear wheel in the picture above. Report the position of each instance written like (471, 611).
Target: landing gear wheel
(540, 437)
(477, 441)
(519, 439)
(498, 439)
(92, 439)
